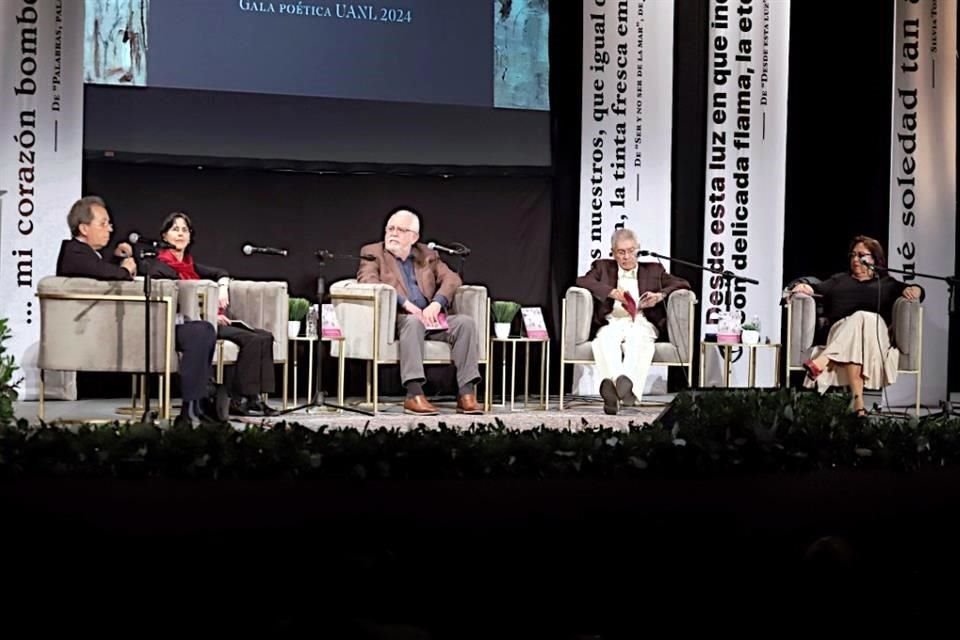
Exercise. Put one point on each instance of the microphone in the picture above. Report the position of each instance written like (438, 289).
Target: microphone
(323, 254)
(461, 251)
(652, 254)
(136, 238)
(249, 250)
(872, 266)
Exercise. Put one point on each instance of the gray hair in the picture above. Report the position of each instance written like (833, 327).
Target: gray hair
(409, 214)
(82, 213)
(623, 234)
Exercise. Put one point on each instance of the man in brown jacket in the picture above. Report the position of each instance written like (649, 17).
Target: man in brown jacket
(425, 288)
(629, 314)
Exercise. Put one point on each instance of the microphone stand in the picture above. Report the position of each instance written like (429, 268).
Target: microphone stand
(946, 407)
(319, 398)
(728, 276)
(462, 254)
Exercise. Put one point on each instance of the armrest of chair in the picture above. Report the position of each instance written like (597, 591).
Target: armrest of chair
(263, 305)
(198, 300)
(802, 310)
(354, 305)
(96, 325)
(471, 300)
(907, 331)
(579, 308)
(680, 321)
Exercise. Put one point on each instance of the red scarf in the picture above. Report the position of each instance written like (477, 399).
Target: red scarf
(184, 268)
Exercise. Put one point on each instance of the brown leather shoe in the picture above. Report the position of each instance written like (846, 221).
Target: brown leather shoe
(419, 406)
(467, 403)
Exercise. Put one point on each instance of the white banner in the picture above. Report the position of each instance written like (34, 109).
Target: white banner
(748, 50)
(923, 188)
(626, 124)
(41, 124)
(626, 134)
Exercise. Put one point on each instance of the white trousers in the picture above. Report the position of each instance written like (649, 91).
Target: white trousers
(624, 347)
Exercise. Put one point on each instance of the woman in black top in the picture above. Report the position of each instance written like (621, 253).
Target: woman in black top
(254, 373)
(858, 352)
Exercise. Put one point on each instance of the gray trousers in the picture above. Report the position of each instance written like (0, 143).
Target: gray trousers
(462, 338)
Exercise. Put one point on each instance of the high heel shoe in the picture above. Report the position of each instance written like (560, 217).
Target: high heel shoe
(813, 371)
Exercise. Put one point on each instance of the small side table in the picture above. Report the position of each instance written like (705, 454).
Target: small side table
(341, 365)
(544, 370)
(293, 341)
(752, 364)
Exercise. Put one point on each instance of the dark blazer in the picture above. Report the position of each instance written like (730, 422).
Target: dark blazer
(434, 277)
(651, 276)
(79, 260)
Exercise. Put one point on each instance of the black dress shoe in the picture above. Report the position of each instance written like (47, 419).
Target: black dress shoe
(625, 391)
(267, 410)
(611, 402)
(239, 407)
(256, 406)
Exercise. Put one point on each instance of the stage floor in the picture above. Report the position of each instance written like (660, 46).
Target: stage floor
(577, 413)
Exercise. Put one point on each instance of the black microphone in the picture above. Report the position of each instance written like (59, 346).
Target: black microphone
(323, 254)
(461, 251)
(136, 238)
(652, 254)
(249, 250)
(868, 264)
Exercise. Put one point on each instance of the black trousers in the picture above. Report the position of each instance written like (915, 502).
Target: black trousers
(195, 340)
(254, 370)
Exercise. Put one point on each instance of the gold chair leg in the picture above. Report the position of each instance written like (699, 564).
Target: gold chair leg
(376, 387)
(219, 361)
(563, 372)
(41, 409)
(369, 382)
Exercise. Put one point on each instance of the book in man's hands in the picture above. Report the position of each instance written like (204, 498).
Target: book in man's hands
(439, 325)
(240, 324)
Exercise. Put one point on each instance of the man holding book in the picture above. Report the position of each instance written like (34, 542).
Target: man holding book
(629, 314)
(425, 288)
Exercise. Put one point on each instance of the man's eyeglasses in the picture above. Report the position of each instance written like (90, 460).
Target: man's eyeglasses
(391, 228)
(625, 252)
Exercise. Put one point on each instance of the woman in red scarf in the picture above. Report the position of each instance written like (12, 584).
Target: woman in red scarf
(254, 370)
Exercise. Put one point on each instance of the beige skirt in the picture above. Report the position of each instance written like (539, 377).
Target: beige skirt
(861, 338)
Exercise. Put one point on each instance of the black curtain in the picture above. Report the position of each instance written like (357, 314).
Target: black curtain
(838, 136)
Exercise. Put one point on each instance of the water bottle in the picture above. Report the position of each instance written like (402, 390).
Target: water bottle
(313, 317)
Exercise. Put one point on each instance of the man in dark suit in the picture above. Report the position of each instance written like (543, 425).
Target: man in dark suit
(425, 288)
(629, 315)
(82, 257)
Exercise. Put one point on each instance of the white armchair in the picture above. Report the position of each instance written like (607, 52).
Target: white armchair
(262, 305)
(803, 322)
(367, 314)
(95, 325)
(577, 318)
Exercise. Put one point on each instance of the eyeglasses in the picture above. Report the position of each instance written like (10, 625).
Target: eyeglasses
(632, 251)
(861, 254)
(391, 228)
